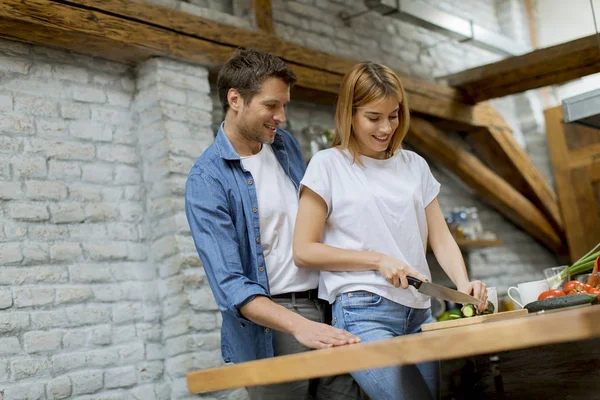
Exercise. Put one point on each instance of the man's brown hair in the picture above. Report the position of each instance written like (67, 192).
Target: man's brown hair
(246, 70)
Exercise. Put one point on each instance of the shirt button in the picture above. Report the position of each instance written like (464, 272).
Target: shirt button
(250, 182)
(267, 330)
(261, 269)
(257, 240)
(254, 209)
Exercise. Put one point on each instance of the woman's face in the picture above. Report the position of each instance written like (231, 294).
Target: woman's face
(374, 125)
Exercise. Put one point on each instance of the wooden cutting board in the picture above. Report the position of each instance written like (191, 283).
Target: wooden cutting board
(473, 320)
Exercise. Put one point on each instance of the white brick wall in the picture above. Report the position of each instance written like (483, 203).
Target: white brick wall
(403, 46)
(94, 157)
(174, 108)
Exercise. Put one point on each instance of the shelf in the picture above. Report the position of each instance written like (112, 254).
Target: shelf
(478, 243)
(467, 244)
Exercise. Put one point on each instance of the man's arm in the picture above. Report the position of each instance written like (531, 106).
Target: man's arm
(217, 243)
(263, 311)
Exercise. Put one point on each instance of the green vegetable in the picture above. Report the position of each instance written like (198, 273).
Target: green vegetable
(561, 302)
(584, 264)
(468, 310)
(489, 309)
(449, 315)
(455, 314)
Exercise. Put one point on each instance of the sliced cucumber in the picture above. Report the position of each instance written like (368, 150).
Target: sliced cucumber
(468, 310)
(449, 315)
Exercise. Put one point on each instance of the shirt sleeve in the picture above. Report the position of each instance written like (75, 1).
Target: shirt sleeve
(217, 243)
(318, 178)
(430, 185)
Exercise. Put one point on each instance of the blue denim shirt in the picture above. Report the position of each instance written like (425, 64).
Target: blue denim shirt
(222, 211)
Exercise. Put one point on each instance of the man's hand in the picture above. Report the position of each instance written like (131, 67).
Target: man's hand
(321, 336)
(263, 311)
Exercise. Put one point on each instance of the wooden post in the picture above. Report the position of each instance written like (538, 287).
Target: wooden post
(575, 154)
(264, 16)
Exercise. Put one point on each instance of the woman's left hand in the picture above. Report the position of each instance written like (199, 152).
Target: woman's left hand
(478, 290)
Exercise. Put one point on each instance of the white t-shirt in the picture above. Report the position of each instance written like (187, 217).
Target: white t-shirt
(277, 209)
(379, 207)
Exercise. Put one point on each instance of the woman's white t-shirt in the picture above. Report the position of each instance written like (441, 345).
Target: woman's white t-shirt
(379, 207)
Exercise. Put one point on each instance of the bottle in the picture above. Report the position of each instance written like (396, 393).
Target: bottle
(464, 223)
(476, 222)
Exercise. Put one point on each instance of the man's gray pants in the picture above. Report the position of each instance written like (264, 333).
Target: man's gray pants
(341, 387)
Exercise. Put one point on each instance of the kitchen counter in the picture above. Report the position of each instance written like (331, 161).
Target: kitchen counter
(495, 336)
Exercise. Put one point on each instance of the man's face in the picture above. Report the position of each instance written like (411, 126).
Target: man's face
(259, 118)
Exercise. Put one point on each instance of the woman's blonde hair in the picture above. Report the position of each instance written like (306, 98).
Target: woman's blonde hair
(364, 83)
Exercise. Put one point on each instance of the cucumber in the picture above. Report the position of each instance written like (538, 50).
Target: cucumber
(561, 302)
(449, 315)
(468, 310)
(489, 309)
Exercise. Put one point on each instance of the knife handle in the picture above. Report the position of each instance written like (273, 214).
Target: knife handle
(414, 281)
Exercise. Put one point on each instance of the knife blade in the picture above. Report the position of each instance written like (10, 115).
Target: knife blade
(442, 292)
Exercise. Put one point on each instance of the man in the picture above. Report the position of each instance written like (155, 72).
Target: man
(241, 204)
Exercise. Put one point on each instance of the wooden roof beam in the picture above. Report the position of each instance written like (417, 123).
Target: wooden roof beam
(263, 13)
(432, 142)
(498, 148)
(539, 68)
(424, 97)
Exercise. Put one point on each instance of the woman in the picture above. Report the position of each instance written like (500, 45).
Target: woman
(367, 209)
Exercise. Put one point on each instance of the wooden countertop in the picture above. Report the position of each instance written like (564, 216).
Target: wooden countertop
(489, 337)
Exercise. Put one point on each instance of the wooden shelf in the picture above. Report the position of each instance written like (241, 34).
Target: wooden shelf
(467, 244)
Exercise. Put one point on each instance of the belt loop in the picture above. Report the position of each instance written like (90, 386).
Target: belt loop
(294, 300)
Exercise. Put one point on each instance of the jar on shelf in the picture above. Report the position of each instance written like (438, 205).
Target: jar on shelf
(475, 223)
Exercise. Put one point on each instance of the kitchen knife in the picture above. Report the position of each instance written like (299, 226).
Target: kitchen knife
(442, 292)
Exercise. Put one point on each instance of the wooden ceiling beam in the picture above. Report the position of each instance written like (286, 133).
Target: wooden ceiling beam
(263, 13)
(539, 68)
(425, 97)
(93, 33)
(89, 32)
(432, 142)
(499, 150)
(101, 33)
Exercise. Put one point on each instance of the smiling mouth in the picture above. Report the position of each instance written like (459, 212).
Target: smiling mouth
(272, 128)
(381, 139)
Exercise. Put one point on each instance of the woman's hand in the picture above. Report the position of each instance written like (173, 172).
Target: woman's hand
(476, 289)
(395, 271)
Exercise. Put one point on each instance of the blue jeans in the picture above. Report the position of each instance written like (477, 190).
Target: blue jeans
(372, 317)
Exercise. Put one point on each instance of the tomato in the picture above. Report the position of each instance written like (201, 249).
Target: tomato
(551, 293)
(595, 291)
(572, 285)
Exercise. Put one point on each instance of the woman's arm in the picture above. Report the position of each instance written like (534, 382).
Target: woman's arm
(309, 252)
(448, 254)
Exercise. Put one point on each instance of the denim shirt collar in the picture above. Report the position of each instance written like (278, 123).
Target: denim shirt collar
(227, 151)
